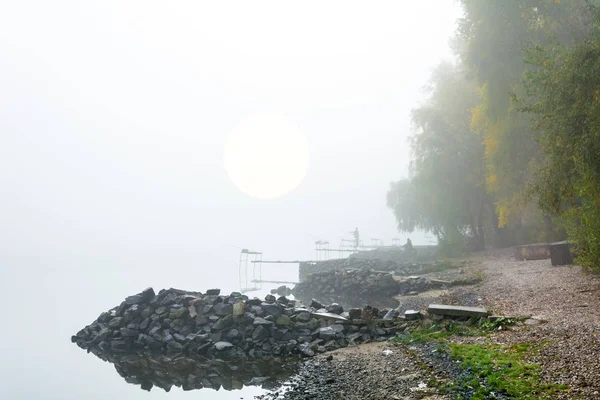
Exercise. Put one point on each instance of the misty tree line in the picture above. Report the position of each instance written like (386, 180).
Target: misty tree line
(506, 149)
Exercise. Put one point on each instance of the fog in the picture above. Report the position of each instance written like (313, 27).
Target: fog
(114, 118)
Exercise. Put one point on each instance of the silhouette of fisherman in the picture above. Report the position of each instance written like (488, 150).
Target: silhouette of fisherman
(356, 238)
(408, 246)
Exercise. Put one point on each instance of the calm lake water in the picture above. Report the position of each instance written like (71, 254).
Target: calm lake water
(46, 303)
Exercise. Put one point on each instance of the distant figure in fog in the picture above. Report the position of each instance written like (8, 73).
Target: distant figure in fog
(408, 246)
(356, 238)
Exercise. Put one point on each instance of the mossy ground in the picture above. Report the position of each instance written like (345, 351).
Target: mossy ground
(487, 370)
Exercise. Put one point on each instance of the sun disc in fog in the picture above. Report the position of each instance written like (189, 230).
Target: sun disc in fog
(266, 156)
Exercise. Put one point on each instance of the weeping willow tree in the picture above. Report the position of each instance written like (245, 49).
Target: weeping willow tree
(445, 193)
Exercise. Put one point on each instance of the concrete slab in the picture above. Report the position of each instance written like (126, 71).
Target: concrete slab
(440, 282)
(457, 311)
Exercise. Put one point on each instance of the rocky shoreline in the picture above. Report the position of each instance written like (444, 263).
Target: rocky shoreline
(365, 285)
(209, 327)
(199, 340)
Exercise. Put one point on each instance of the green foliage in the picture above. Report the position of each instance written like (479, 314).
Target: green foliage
(442, 331)
(563, 97)
(498, 323)
(438, 332)
(495, 33)
(506, 150)
(498, 369)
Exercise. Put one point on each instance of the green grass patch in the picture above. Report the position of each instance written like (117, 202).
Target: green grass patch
(442, 331)
(489, 370)
(494, 369)
(440, 266)
(438, 332)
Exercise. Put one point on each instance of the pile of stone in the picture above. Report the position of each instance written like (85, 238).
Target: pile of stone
(309, 268)
(395, 267)
(282, 291)
(350, 287)
(214, 326)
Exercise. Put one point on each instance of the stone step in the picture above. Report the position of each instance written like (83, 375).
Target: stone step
(457, 311)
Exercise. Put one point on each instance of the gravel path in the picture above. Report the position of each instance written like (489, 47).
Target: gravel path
(375, 371)
(564, 304)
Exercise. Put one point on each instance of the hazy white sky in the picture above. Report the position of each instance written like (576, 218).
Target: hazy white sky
(115, 114)
(113, 120)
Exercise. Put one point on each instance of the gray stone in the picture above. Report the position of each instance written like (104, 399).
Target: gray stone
(260, 333)
(131, 313)
(120, 346)
(116, 322)
(279, 333)
(146, 312)
(222, 309)
(192, 311)
(412, 315)
(213, 292)
(181, 312)
(270, 298)
(255, 301)
(354, 336)
(180, 338)
(334, 308)
(355, 313)
(216, 336)
(327, 333)
(169, 299)
(174, 347)
(305, 350)
(102, 335)
(457, 311)
(233, 335)
(331, 345)
(283, 320)
(304, 316)
(135, 299)
(262, 321)
(223, 346)
(272, 309)
(316, 305)
(129, 332)
(223, 323)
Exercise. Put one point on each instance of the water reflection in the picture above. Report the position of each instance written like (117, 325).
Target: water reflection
(191, 374)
